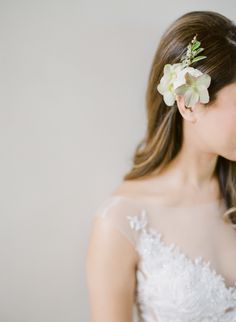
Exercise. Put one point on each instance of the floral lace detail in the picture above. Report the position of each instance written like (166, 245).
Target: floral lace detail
(171, 287)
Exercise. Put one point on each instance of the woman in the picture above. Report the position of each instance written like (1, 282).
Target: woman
(165, 239)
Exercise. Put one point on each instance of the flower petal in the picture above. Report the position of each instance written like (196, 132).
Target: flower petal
(204, 80)
(161, 88)
(167, 68)
(191, 98)
(190, 79)
(165, 81)
(204, 95)
(169, 98)
(181, 90)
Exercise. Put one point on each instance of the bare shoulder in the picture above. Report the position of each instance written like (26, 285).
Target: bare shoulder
(110, 229)
(135, 187)
(143, 189)
(126, 188)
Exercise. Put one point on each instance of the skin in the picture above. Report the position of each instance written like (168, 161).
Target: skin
(208, 132)
(111, 284)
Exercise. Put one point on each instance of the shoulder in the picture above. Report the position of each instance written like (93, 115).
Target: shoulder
(138, 189)
(123, 200)
(116, 209)
(111, 230)
(113, 215)
(127, 188)
(144, 190)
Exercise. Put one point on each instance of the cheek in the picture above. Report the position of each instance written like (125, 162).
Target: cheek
(226, 123)
(222, 133)
(218, 130)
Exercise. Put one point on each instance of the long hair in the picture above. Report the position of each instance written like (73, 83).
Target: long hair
(164, 137)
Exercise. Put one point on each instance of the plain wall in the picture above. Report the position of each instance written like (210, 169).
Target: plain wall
(73, 77)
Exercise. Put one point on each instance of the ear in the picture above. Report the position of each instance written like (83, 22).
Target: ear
(188, 113)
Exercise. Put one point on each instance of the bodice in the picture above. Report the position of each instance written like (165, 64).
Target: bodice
(171, 286)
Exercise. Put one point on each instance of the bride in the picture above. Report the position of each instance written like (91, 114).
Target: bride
(165, 239)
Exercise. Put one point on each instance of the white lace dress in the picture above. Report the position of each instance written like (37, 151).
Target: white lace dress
(175, 278)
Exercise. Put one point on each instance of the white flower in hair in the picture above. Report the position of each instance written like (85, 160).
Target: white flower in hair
(166, 85)
(195, 89)
(180, 79)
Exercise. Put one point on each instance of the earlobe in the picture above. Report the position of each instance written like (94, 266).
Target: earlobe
(186, 112)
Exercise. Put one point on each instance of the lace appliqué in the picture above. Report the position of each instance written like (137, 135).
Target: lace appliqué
(171, 287)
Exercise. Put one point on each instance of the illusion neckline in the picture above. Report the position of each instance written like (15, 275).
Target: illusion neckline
(212, 203)
(177, 251)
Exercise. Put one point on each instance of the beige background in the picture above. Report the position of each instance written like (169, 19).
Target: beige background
(73, 77)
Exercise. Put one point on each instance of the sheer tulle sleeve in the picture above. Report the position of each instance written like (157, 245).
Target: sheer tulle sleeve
(116, 211)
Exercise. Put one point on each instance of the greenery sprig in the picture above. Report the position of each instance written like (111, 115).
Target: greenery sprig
(181, 79)
(192, 51)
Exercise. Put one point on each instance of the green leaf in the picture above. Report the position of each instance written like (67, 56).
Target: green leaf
(196, 45)
(198, 58)
(198, 51)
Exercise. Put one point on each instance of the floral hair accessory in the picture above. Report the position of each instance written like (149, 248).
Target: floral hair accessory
(180, 79)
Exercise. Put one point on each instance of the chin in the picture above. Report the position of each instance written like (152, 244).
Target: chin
(230, 157)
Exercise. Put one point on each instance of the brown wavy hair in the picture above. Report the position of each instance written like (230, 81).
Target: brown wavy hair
(163, 137)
